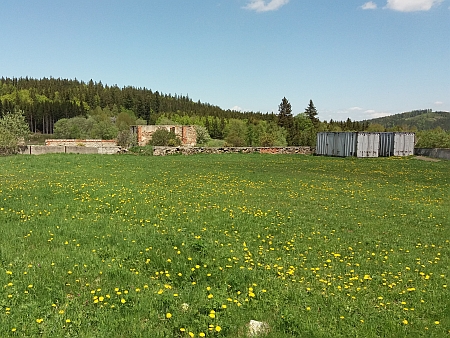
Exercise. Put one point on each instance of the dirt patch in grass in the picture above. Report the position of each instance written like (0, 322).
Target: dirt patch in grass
(424, 158)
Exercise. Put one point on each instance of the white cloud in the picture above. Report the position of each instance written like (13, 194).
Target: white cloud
(439, 103)
(369, 5)
(236, 108)
(412, 5)
(356, 109)
(264, 6)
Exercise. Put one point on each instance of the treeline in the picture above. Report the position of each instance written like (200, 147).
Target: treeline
(77, 109)
(45, 101)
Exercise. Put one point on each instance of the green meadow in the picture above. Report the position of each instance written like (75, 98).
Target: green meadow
(194, 246)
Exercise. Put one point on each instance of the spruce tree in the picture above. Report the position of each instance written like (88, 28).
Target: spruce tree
(311, 111)
(286, 120)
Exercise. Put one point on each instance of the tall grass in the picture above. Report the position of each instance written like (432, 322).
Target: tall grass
(129, 246)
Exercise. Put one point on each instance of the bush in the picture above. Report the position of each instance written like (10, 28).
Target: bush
(13, 131)
(436, 138)
(126, 138)
(163, 137)
(202, 135)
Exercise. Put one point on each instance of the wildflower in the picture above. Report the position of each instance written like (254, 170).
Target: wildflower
(168, 315)
(405, 322)
(123, 301)
(68, 320)
(218, 328)
(201, 334)
(39, 320)
(436, 322)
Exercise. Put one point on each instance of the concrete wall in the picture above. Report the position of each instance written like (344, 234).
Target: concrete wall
(80, 150)
(443, 153)
(186, 134)
(81, 143)
(40, 150)
(162, 151)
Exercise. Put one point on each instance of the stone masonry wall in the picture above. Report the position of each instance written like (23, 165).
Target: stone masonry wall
(162, 151)
(186, 134)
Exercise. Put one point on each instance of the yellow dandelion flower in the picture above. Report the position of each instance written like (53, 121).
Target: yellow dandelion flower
(168, 315)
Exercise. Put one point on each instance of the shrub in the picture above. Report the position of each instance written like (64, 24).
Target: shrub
(13, 131)
(202, 135)
(163, 137)
(126, 138)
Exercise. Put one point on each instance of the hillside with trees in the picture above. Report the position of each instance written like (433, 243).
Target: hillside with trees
(424, 119)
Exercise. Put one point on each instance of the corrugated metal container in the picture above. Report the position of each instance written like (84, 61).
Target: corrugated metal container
(404, 144)
(396, 144)
(386, 147)
(336, 144)
(367, 144)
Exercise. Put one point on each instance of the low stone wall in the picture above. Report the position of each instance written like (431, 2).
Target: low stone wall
(162, 151)
(40, 150)
(443, 153)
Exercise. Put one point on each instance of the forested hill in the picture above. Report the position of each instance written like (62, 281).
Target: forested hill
(45, 101)
(424, 119)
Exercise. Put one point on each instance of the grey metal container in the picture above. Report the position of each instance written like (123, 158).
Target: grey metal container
(367, 144)
(340, 144)
(396, 144)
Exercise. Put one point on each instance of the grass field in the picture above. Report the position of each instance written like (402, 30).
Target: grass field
(133, 246)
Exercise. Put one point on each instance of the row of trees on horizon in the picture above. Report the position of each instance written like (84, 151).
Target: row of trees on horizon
(73, 108)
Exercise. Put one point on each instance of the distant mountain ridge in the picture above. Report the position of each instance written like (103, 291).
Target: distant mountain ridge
(424, 119)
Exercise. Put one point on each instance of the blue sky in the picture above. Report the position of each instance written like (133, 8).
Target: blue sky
(353, 58)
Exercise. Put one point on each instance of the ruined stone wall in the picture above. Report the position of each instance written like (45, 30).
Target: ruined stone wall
(186, 134)
(162, 151)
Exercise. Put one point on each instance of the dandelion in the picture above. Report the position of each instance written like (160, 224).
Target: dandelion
(218, 328)
(68, 320)
(201, 334)
(405, 322)
(13, 329)
(123, 301)
(168, 315)
(39, 320)
(436, 322)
